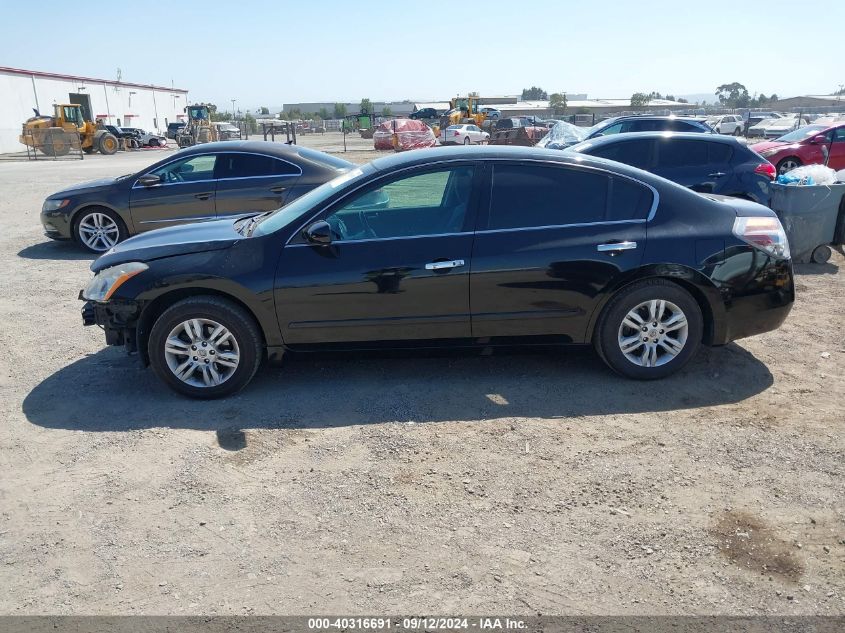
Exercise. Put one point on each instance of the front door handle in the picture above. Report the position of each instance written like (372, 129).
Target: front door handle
(455, 263)
(278, 189)
(203, 196)
(716, 174)
(613, 247)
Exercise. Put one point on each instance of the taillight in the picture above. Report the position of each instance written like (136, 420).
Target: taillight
(764, 232)
(457, 133)
(766, 169)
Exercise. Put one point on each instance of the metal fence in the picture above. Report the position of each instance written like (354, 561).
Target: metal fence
(48, 144)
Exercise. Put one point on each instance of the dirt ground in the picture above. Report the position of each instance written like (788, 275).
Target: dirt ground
(449, 484)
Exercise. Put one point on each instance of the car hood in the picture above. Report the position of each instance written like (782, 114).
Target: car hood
(85, 187)
(174, 240)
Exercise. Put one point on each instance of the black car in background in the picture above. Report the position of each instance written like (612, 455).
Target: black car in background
(552, 247)
(200, 183)
(713, 163)
(424, 113)
(625, 124)
(173, 128)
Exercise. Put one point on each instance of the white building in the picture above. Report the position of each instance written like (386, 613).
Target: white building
(115, 102)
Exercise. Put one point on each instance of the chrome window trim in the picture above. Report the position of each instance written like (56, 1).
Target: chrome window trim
(387, 239)
(215, 154)
(481, 161)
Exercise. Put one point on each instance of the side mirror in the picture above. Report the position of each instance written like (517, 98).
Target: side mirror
(819, 140)
(319, 232)
(150, 180)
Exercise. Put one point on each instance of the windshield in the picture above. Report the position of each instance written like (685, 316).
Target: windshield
(280, 218)
(801, 133)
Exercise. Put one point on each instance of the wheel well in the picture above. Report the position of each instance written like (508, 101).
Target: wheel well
(158, 305)
(692, 289)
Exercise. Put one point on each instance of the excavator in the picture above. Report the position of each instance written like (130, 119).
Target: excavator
(56, 135)
(198, 129)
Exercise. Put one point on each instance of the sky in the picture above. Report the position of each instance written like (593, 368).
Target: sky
(270, 53)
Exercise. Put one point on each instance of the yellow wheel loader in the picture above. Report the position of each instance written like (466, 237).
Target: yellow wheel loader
(198, 128)
(67, 129)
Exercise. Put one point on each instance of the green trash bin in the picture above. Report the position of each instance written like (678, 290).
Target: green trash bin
(813, 217)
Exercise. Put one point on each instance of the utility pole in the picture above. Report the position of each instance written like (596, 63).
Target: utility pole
(233, 109)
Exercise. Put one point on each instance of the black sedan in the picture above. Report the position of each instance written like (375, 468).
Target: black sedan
(707, 163)
(201, 183)
(476, 247)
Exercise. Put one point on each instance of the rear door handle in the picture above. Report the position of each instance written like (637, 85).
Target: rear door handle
(277, 189)
(203, 196)
(613, 247)
(716, 174)
(455, 263)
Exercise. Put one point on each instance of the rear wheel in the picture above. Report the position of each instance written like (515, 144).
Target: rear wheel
(56, 143)
(205, 347)
(98, 229)
(107, 144)
(788, 164)
(738, 131)
(649, 330)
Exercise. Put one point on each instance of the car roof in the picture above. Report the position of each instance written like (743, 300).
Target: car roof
(293, 153)
(692, 136)
(431, 156)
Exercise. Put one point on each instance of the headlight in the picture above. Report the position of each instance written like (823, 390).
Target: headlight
(108, 280)
(54, 205)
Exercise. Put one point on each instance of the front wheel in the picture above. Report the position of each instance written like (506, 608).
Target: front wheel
(98, 229)
(205, 347)
(788, 164)
(649, 330)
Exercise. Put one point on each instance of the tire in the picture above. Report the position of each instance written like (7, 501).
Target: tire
(154, 142)
(738, 131)
(55, 143)
(788, 164)
(244, 343)
(612, 330)
(107, 144)
(112, 229)
(467, 141)
(821, 254)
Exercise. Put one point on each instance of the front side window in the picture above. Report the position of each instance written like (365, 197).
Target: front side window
(531, 196)
(252, 166)
(431, 203)
(839, 135)
(187, 170)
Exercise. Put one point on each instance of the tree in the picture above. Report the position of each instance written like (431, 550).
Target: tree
(324, 113)
(339, 110)
(366, 106)
(682, 100)
(733, 95)
(534, 94)
(283, 115)
(557, 102)
(264, 110)
(386, 111)
(251, 123)
(640, 100)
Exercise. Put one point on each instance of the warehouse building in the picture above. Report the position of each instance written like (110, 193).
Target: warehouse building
(115, 102)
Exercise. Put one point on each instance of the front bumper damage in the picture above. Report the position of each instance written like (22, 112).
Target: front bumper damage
(119, 321)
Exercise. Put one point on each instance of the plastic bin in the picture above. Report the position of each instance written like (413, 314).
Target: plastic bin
(813, 217)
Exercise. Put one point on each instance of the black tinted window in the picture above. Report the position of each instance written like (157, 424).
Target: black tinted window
(681, 126)
(635, 153)
(629, 200)
(252, 165)
(681, 153)
(647, 125)
(525, 196)
(719, 152)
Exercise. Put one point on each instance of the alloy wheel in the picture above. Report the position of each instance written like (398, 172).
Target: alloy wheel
(202, 352)
(98, 231)
(653, 333)
(788, 165)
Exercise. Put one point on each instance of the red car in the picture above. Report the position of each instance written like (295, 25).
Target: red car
(409, 134)
(806, 146)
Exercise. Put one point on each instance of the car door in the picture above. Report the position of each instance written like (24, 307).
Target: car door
(550, 241)
(397, 267)
(184, 193)
(249, 182)
(836, 158)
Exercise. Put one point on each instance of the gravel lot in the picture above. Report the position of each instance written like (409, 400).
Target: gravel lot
(431, 484)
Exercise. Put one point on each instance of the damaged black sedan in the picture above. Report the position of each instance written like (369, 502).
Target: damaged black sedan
(479, 246)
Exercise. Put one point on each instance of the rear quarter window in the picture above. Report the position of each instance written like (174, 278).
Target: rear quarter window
(629, 200)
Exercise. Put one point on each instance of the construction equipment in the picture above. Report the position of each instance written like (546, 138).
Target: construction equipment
(67, 128)
(198, 129)
(463, 110)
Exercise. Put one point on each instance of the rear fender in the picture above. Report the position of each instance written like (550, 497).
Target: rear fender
(705, 292)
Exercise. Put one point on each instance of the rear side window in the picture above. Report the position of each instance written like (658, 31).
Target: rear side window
(719, 152)
(634, 153)
(252, 165)
(647, 125)
(629, 200)
(528, 195)
(681, 153)
(682, 126)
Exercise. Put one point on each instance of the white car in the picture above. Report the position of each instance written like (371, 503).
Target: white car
(727, 124)
(775, 128)
(463, 134)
